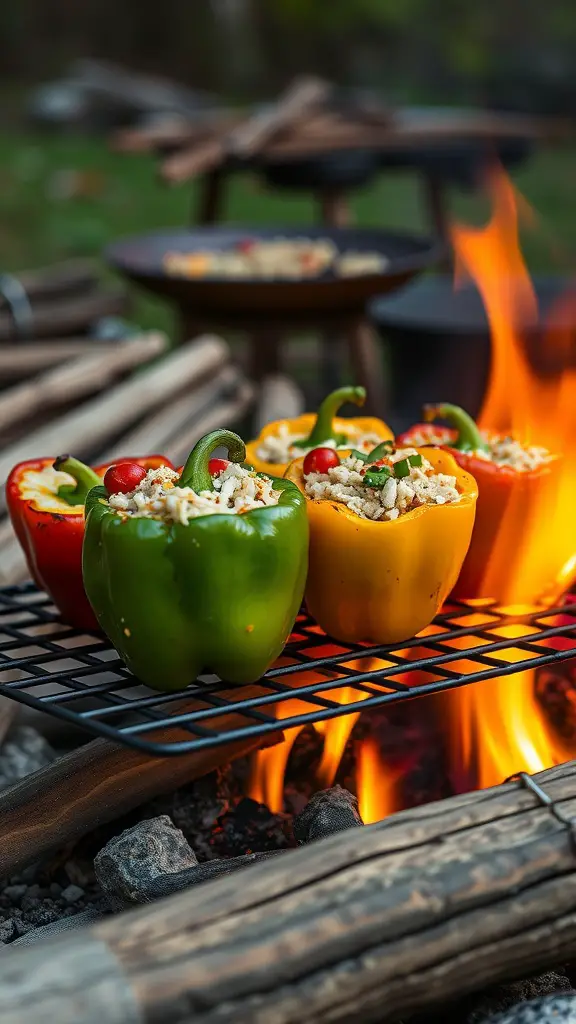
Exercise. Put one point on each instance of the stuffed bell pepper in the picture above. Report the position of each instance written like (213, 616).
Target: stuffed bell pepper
(388, 534)
(284, 440)
(45, 501)
(515, 481)
(203, 570)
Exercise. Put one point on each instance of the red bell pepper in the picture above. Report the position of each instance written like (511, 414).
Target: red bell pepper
(502, 491)
(46, 506)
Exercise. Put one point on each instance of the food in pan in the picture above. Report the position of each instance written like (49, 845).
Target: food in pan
(388, 536)
(284, 440)
(45, 501)
(274, 259)
(203, 570)
(514, 480)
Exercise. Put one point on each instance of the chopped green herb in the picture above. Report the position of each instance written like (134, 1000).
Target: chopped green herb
(377, 476)
(415, 460)
(358, 455)
(380, 451)
(402, 469)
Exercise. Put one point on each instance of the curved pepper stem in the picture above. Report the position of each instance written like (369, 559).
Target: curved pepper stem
(469, 438)
(323, 429)
(85, 479)
(196, 473)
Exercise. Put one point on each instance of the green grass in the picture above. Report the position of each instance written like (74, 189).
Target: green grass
(36, 228)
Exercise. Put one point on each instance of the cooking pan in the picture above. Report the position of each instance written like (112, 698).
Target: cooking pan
(141, 260)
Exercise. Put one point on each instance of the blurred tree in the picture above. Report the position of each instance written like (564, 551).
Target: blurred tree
(431, 50)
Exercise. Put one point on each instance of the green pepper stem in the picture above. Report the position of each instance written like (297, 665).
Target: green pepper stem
(85, 479)
(323, 429)
(196, 473)
(469, 437)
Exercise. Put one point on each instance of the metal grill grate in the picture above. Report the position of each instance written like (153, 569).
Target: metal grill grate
(79, 677)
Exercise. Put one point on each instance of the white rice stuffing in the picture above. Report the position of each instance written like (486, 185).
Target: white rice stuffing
(345, 483)
(503, 451)
(280, 449)
(236, 490)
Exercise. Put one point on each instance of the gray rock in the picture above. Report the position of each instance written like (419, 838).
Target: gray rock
(15, 892)
(330, 811)
(129, 863)
(72, 893)
(559, 1009)
(7, 930)
(23, 752)
(505, 997)
(66, 924)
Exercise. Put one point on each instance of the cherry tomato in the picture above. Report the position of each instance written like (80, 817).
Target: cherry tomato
(320, 460)
(217, 466)
(123, 477)
(245, 245)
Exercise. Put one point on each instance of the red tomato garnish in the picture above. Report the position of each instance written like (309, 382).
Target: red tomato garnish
(246, 245)
(123, 477)
(216, 466)
(320, 460)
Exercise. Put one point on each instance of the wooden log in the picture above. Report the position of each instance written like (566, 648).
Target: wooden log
(23, 360)
(159, 430)
(372, 924)
(77, 378)
(61, 278)
(193, 160)
(13, 568)
(280, 398)
(93, 423)
(101, 781)
(305, 93)
(69, 315)
(225, 413)
(8, 713)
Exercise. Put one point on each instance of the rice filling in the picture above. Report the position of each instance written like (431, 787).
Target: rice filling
(502, 450)
(346, 483)
(279, 449)
(236, 490)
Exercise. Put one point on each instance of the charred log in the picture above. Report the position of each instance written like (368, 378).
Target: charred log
(374, 923)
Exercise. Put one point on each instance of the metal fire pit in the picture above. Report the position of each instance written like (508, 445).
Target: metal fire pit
(79, 677)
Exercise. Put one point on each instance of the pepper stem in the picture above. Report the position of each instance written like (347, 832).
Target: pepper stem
(196, 473)
(469, 438)
(85, 479)
(323, 429)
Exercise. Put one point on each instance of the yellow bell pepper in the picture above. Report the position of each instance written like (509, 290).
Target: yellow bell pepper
(382, 582)
(317, 428)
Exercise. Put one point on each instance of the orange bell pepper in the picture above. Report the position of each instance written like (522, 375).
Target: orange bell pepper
(314, 429)
(502, 492)
(382, 582)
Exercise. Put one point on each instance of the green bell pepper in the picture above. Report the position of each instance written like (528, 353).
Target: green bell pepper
(219, 594)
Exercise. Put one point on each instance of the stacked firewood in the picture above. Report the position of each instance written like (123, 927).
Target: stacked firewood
(310, 118)
(59, 301)
(83, 396)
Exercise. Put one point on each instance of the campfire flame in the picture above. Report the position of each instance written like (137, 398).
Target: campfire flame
(495, 728)
(536, 405)
(498, 728)
(376, 784)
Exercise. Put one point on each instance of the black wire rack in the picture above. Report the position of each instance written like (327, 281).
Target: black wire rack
(78, 676)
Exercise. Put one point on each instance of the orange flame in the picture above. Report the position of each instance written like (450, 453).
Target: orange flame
(497, 727)
(376, 783)
(336, 732)
(534, 407)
